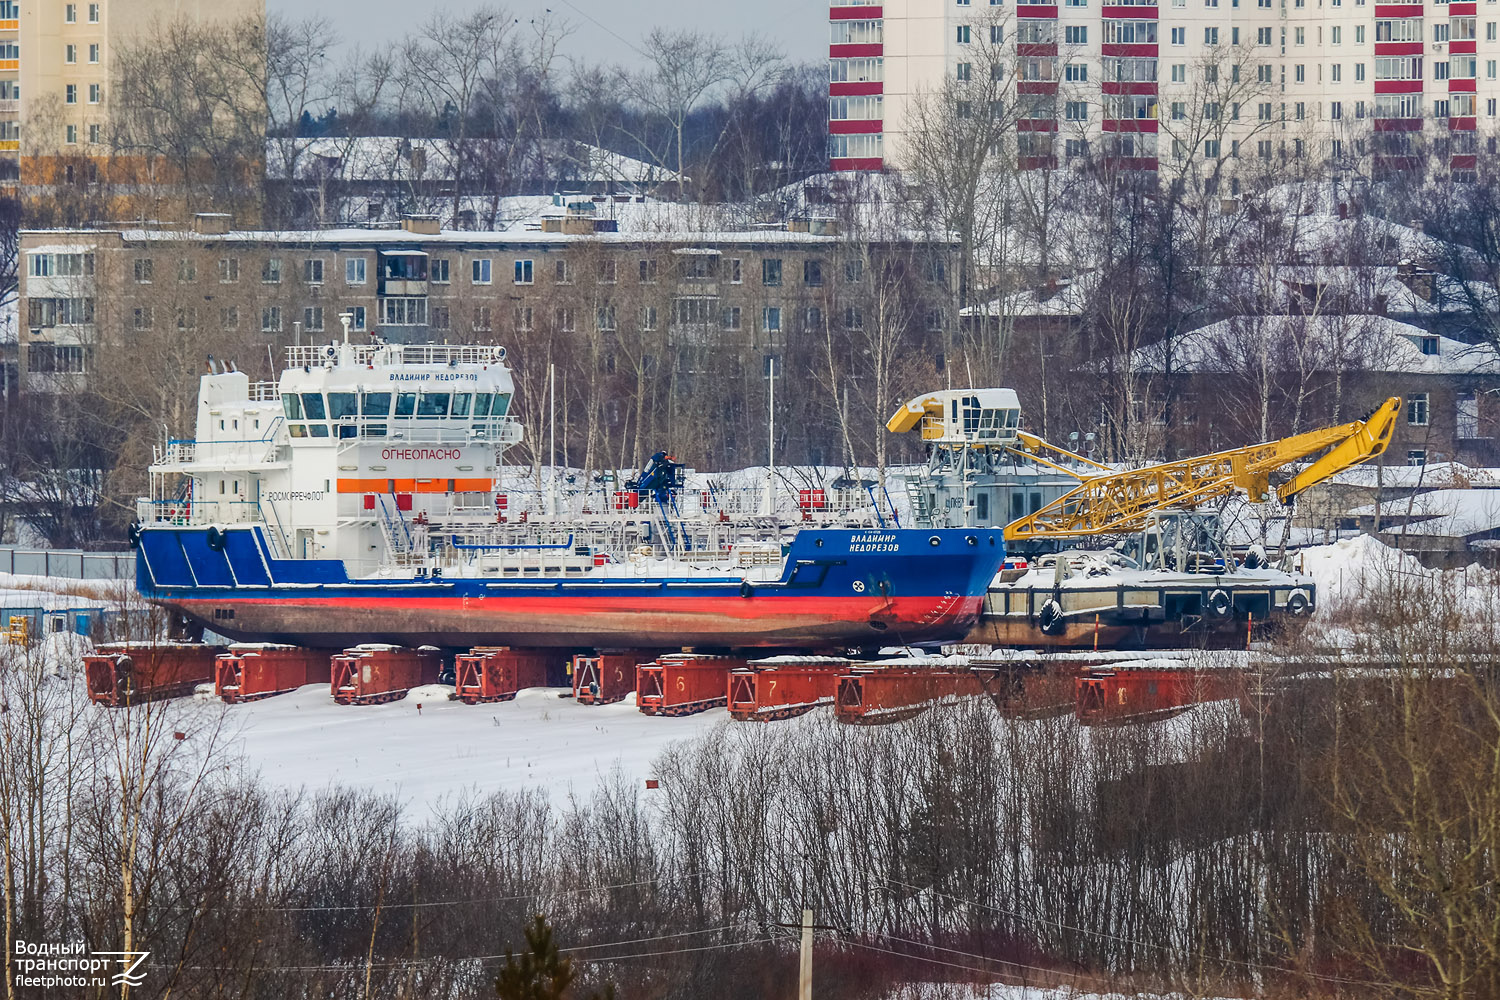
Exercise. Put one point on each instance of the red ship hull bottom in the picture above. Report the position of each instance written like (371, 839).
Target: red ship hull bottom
(729, 622)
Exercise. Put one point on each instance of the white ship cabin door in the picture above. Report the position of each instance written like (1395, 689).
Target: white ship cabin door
(304, 543)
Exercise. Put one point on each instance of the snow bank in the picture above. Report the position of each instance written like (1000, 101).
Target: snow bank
(1348, 569)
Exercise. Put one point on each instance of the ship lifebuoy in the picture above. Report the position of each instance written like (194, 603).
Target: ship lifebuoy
(215, 539)
(1297, 604)
(133, 535)
(1219, 604)
(1050, 618)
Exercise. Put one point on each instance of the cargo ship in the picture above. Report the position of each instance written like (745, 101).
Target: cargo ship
(359, 498)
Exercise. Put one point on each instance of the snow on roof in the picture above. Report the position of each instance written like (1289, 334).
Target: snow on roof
(1370, 343)
(1442, 512)
(1437, 475)
(398, 159)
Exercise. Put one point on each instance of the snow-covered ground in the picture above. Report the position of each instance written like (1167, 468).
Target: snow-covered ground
(445, 749)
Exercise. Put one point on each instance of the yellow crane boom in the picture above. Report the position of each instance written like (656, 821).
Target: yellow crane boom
(1121, 501)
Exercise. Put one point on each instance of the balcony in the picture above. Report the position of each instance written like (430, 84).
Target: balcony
(10, 106)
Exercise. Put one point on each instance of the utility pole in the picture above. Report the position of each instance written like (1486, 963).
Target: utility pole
(804, 978)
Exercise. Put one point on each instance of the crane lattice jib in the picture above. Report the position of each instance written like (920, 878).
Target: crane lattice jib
(1122, 501)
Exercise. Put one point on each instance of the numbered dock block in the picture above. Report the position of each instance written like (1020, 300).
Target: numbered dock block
(606, 677)
(684, 683)
(252, 673)
(369, 675)
(120, 673)
(785, 690)
(495, 673)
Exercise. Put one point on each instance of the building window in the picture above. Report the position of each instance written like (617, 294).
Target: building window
(1416, 409)
(70, 94)
(482, 319)
(854, 270)
(403, 311)
(1076, 111)
(523, 273)
(270, 319)
(143, 269)
(648, 271)
(608, 271)
(187, 270)
(438, 271)
(1417, 457)
(1074, 34)
(1076, 72)
(70, 53)
(70, 13)
(997, 34)
(229, 317)
(964, 34)
(523, 319)
(442, 318)
(561, 272)
(1337, 70)
(1466, 416)
(96, 93)
(604, 319)
(648, 320)
(312, 270)
(312, 319)
(1179, 36)
(1429, 346)
(963, 72)
(770, 271)
(96, 134)
(812, 273)
(70, 134)
(854, 318)
(1210, 36)
(93, 13)
(354, 271)
(270, 271)
(770, 319)
(729, 318)
(1179, 73)
(736, 271)
(229, 270)
(480, 271)
(94, 52)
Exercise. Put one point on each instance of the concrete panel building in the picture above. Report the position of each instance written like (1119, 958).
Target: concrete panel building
(1149, 83)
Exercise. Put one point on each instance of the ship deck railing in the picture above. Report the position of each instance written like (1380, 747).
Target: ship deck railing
(316, 355)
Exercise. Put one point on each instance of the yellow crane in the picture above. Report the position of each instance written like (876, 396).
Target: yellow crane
(1121, 501)
(963, 421)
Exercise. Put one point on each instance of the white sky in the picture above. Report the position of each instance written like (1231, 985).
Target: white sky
(800, 26)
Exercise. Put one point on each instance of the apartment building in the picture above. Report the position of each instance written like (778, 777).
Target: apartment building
(571, 278)
(55, 67)
(1150, 83)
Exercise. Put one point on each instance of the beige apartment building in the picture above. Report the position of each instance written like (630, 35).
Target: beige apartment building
(675, 296)
(55, 68)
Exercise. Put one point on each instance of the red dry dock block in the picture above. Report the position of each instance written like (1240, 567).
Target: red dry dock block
(120, 673)
(891, 694)
(684, 683)
(783, 691)
(607, 677)
(368, 675)
(496, 673)
(1125, 694)
(249, 674)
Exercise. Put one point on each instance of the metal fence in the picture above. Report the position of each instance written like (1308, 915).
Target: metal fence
(68, 564)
